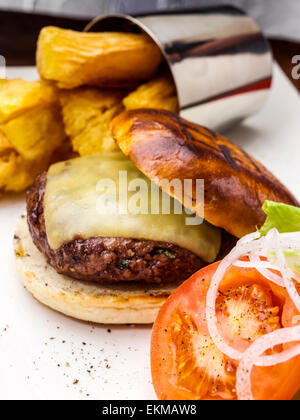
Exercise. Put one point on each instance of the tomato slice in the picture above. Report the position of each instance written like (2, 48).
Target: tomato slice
(185, 362)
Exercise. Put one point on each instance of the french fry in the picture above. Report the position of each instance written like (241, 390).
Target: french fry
(8, 165)
(7, 160)
(16, 174)
(160, 93)
(5, 145)
(87, 113)
(19, 96)
(31, 129)
(37, 133)
(112, 59)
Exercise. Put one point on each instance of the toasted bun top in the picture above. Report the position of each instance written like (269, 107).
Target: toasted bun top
(166, 147)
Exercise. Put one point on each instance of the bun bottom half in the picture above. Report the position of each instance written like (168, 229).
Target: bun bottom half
(104, 304)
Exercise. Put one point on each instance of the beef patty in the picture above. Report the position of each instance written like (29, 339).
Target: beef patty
(108, 259)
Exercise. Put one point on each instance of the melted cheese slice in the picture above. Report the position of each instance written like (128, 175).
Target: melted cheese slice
(74, 206)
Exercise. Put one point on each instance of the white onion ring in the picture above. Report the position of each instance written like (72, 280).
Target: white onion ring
(287, 279)
(251, 264)
(252, 356)
(248, 238)
(252, 246)
(275, 278)
(243, 248)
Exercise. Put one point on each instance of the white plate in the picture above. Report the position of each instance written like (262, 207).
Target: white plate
(42, 352)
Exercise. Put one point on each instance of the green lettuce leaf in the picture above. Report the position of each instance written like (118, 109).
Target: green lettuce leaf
(285, 219)
(282, 217)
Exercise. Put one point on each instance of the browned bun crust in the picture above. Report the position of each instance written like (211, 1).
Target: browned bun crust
(165, 146)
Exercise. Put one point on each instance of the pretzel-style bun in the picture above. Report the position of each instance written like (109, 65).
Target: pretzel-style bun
(166, 147)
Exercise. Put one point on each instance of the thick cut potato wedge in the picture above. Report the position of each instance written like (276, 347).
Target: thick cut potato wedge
(5, 145)
(37, 133)
(112, 59)
(16, 173)
(8, 166)
(160, 93)
(87, 114)
(7, 160)
(31, 129)
(19, 96)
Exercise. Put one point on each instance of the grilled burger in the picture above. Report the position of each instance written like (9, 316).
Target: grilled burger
(120, 267)
(108, 259)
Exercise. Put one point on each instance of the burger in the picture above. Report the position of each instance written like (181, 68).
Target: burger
(82, 253)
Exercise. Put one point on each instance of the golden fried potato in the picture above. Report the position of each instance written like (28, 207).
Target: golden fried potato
(8, 164)
(87, 113)
(160, 93)
(31, 129)
(19, 96)
(5, 145)
(17, 174)
(37, 133)
(112, 59)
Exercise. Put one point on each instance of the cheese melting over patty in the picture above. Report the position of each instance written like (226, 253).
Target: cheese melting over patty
(84, 199)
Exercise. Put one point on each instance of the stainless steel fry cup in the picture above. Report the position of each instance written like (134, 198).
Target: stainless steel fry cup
(220, 61)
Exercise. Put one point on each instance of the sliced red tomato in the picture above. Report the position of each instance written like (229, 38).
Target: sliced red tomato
(185, 362)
